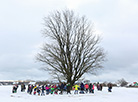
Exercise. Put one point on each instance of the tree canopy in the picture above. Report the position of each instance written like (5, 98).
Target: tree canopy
(72, 48)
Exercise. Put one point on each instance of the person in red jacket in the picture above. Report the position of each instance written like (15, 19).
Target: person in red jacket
(92, 88)
(86, 87)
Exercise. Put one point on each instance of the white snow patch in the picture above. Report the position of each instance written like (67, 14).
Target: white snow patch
(118, 95)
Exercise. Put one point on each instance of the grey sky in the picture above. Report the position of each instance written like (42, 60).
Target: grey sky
(21, 38)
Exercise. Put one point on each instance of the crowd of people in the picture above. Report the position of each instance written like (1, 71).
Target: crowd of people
(60, 88)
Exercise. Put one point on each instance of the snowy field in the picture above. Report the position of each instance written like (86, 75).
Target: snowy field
(118, 95)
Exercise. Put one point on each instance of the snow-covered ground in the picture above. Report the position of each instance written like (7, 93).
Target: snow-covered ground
(118, 95)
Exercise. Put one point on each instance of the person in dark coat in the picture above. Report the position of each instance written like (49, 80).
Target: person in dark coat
(28, 90)
(38, 90)
(43, 89)
(82, 88)
(90, 88)
(15, 87)
(61, 86)
(98, 86)
(23, 87)
(68, 88)
(109, 87)
(101, 87)
(31, 89)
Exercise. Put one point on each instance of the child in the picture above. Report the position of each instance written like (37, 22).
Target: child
(35, 88)
(76, 87)
(52, 89)
(68, 88)
(47, 90)
(86, 87)
(93, 88)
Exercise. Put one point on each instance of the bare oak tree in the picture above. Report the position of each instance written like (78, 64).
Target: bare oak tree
(72, 47)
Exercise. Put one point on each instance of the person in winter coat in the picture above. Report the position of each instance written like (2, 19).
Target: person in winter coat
(15, 87)
(28, 91)
(92, 88)
(23, 87)
(35, 89)
(52, 89)
(76, 87)
(82, 88)
(47, 89)
(101, 87)
(109, 87)
(43, 89)
(65, 87)
(61, 86)
(31, 89)
(68, 88)
(56, 89)
(86, 87)
(38, 90)
(98, 86)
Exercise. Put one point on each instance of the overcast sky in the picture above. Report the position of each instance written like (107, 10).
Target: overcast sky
(21, 37)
